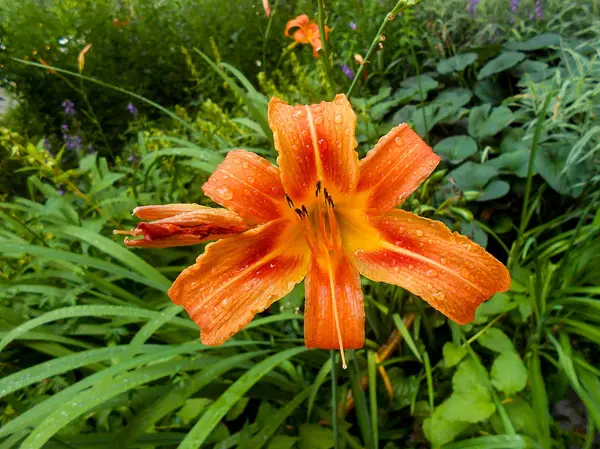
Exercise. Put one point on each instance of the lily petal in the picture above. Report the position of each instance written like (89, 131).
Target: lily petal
(249, 185)
(446, 269)
(333, 288)
(188, 228)
(301, 21)
(395, 168)
(237, 278)
(315, 143)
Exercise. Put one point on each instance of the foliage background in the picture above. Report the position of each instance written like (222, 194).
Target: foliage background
(93, 354)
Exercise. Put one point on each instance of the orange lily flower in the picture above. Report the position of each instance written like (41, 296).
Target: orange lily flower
(307, 32)
(322, 216)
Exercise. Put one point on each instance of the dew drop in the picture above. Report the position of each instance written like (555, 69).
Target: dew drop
(236, 161)
(294, 147)
(250, 179)
(245, 165)
(398, 140)
(411, 266)
(443, 260)
(225, 193)
(431, 273)
(318, 108)
(338, 119)
(419, 232)
(318, 120)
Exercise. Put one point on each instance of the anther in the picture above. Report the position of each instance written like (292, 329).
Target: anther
(304, 211)
(289, 201)
(299, 212)
(318, 190)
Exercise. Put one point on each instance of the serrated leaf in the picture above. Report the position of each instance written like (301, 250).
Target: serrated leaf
(505, 61)
(508, 373)
(495, 340)
(453, 354)
(456, 63)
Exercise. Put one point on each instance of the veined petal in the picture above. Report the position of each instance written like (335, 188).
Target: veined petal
(315, 143)
(182, 229)
(395, 168)
(249, 185)
(446, 269)
(333, 297)
(236, 278)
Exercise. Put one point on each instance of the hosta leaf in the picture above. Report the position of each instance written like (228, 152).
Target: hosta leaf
(456, 63)
(505, 61)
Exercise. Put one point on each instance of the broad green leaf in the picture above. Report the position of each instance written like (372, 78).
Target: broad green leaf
(313, 436)
(440, 431)
(453, 354)
(282, 442)
(456, 149)
(516, 162)
(508, 373)
(472, 407)
(522, 417)
(496, 340)
(421, 85)
(486, 122)
(496, 442)
(474, 232)
(505, 61)
(536, 43)
(489, 91)
(472, 176)
(499, 303)
(456, 63)
(494, 190)
(550, 161)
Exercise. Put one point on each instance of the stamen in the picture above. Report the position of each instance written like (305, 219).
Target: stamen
(304, 211)
(123, 232)
(300, 213)
(318, 190)
(289, 200)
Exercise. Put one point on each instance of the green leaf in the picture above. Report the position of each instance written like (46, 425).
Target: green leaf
(472, 176)
(495, 340)
(536, 43)
(453, 354)
(456, 149)
(209, 420)
(489, 91)
(474, 232)
(515, 162)
(440, 431)
(282, 442)
(237, 409)
(313, 436)
(192, 408)
(473, 407)
(499, 303)
(456, 63)
(486, 122)
(508, 373)
(420, 84)
(550, 161)
(521, 416)
(505, 61)
(494, 190)
(496, 442)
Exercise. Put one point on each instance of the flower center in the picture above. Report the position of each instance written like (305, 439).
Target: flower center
(322, 235)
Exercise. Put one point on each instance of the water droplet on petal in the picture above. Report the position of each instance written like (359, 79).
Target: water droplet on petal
(250, 179)
(236, 161)
(338, 118)
(225, 193)
(419, 232)
(411, 266)
(443, 260)
(318, 120)
(431, 273)
(245, 165)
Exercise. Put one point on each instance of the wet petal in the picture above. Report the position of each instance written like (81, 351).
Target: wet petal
(333, 284)
(446, 269)
(249, 185)
(188, 228)
(395, 168)
(239, 277)
(315, 143)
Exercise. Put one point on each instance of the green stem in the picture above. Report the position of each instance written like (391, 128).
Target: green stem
(267, 32)
(324, 51)
(400, 6)
(334, 413)
(534, 147)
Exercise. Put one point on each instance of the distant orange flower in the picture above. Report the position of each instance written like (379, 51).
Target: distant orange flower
(267, 8)
(322, 216)
(307, 32)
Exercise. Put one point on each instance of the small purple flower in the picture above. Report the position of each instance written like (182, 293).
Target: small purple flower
(514, 6)
(72, 142)
(472, 4)
(60, 190)
(539, 13)
(353, 25)
(68, 107)
(132, 110)
(132, 158)
(347, 71)
(64, 127)
(90, 148)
